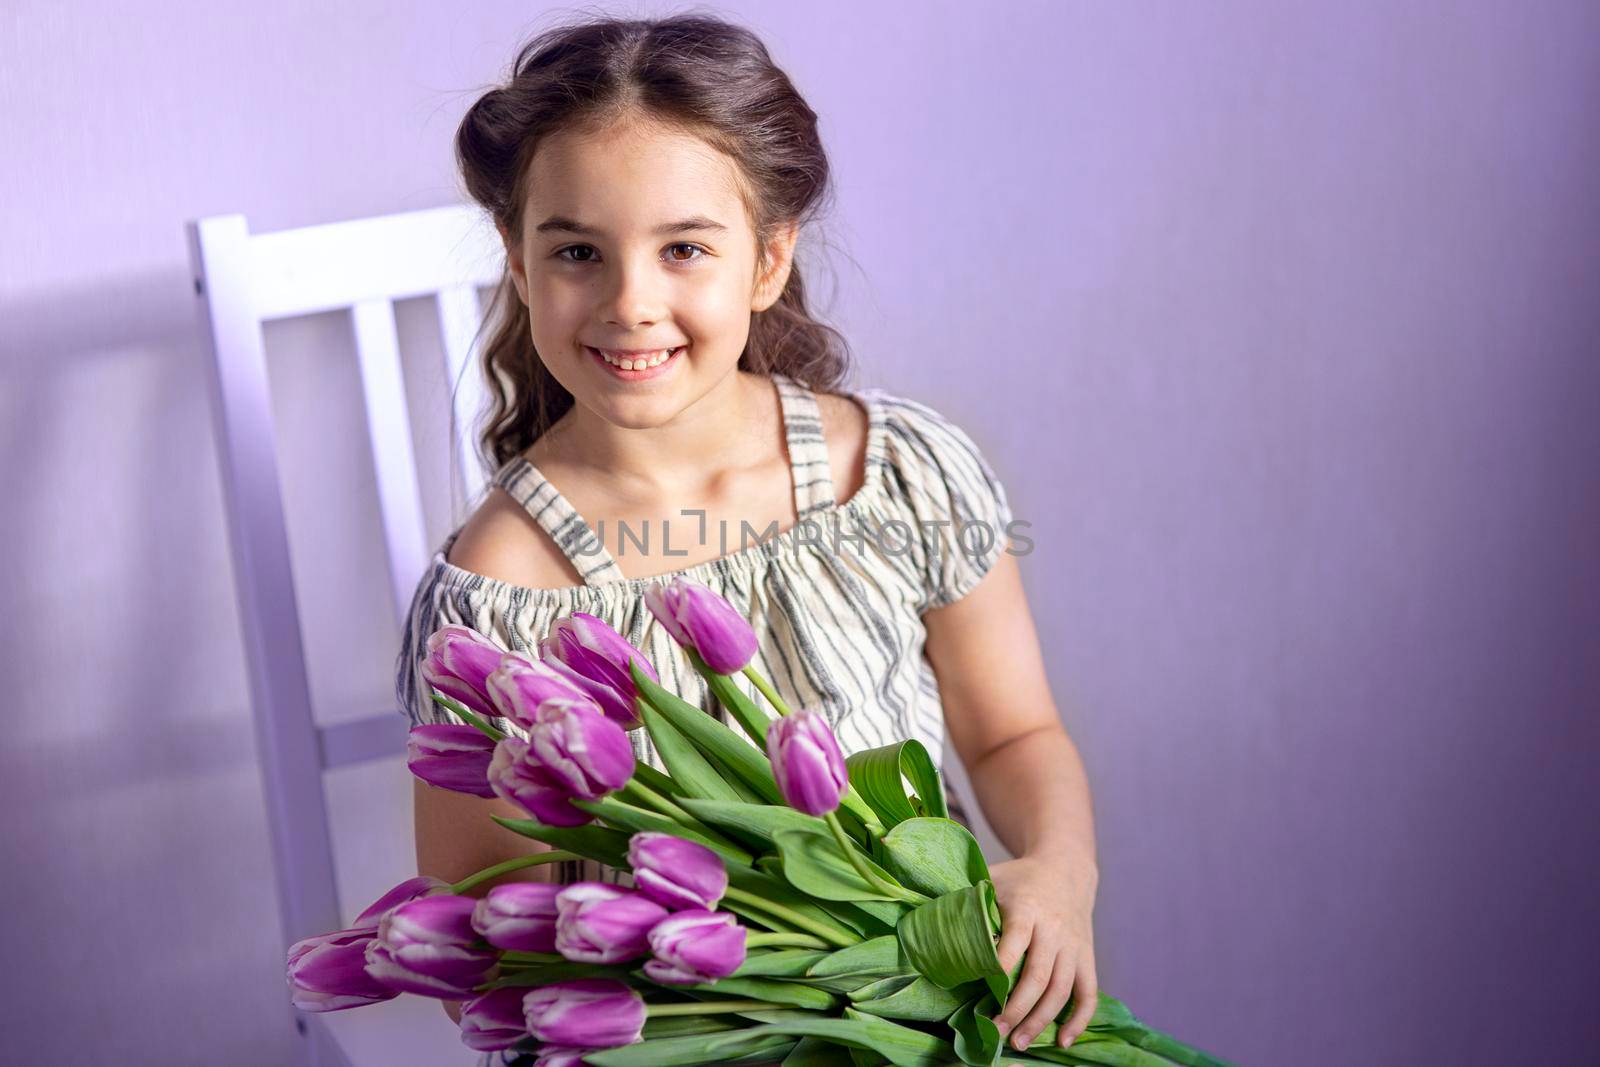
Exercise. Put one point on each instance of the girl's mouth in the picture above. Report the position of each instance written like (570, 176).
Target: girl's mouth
(640, 367)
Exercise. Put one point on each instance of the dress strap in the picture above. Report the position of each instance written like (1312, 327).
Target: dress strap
(557, 517)
(808, 449)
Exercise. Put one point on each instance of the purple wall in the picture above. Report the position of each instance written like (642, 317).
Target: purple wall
(1285, 321)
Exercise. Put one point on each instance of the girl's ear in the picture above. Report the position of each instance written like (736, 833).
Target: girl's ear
(519, 275)
(780, 258)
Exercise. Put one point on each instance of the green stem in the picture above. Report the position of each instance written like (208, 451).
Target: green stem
(470, 718)
(789, 915)
(531, 959)
(767, 691)
(554, 855)
(698, 1007)
(859, 862)
(784, 941)
(649, 798)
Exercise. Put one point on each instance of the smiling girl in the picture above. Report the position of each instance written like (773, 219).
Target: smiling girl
(655, 371)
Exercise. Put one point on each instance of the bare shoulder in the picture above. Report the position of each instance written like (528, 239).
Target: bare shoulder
(844, 426)
(502, 541)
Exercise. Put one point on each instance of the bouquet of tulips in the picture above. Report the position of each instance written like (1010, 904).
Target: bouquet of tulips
(786, 903)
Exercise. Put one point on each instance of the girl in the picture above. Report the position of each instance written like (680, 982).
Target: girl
(653, 357)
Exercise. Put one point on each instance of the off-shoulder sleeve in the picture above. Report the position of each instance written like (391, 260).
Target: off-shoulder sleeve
(960, 506)
(432, 606)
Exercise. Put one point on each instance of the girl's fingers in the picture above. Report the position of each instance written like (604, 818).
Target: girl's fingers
(1013, 942)
(1049, 1005)
(1035, 975)
(1086, 997)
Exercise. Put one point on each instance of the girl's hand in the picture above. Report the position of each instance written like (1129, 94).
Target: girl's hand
(1046, 909)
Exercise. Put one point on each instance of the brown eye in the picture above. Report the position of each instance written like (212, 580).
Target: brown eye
(689, 259)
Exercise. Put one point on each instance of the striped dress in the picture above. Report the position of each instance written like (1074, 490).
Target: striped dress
(836, 600)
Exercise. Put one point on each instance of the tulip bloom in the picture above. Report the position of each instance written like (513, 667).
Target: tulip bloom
(459, 662)
(595, 658)
(516, 776)
(410, 889)
(676, 873)
(494, 1021)
(329, 972)
(700, 619)
(560, 1056)
(519, 685)
(695, 946)
(428, 946)
(581, 749)
(519, 916)
(451, 757)
(585, 1013)
(807, 762)
(600, 923)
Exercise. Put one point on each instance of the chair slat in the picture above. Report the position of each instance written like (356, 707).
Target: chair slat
(393, 461)
(286, 742)
(458, 324)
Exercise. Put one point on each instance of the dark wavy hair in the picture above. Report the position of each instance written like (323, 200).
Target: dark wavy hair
(689, 71)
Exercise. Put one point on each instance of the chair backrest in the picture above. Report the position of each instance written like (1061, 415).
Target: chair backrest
(243, 280)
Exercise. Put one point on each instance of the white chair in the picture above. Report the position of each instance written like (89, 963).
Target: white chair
(243, 280)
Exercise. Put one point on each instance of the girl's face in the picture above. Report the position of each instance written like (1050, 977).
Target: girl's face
(636, 239)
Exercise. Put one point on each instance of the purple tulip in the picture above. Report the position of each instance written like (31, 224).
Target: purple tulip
(581, 749)
(458, 663)
(601, 923)
(519, 916)
(560, 1056)
(408, 890)
(516, 776)
(429, 947)
(698, 618)
(676, 873)
(494, 1020)
(451, 757)
(520, 684)
(585, 1013)
(695, 946)
(807, 762)
(595, 658)
(329, 972)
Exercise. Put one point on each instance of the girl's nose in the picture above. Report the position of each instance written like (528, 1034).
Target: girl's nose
(635, 295)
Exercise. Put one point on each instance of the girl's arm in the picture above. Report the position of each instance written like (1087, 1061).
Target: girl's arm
(1031, 784)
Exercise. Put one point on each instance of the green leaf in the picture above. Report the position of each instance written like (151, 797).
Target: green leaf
(763, 820)
(693, 1049)
(880, 775)
(779, 963)
(635, 819)
(901, 1045)
(934, 856)
(814, 864)
(776, 990)
(680, 1025)
(714, 739)
(815, 1052)
(837, 916)
(689, 768)
(910, 997)
(951, 939)
(752, 718)
(880, 956)
(977, 1039)
(599, 843)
